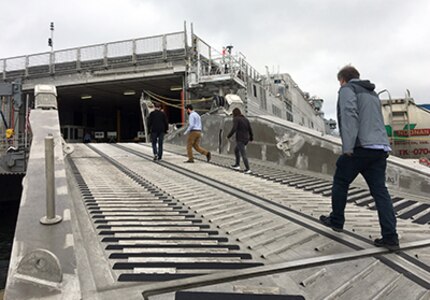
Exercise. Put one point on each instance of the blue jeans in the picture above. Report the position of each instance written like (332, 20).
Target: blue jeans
(372, 165)
(240, 150)
(157, 138)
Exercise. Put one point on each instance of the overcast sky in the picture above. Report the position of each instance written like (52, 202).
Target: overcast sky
(388, 41)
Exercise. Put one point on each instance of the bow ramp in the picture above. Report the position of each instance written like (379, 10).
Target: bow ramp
(138, 229)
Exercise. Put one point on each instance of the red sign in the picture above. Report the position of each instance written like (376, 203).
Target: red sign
(414, 132)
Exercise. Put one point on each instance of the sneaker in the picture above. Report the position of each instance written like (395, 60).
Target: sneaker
(248, 171)
(208, 156)
(390, 245)
(236, 167)
(189, 161)
(155, 157)
(327, 222)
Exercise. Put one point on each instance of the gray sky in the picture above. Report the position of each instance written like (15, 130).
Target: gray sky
(387, 40)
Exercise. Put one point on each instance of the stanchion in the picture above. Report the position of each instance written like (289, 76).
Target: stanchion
(50, 218)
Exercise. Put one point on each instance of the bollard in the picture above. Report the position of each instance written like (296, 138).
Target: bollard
(50, 217)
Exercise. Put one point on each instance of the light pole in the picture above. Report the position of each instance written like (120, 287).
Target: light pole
(51, 39)
(51, 44)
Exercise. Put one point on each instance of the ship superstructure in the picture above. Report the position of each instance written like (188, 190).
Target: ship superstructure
(99, 88)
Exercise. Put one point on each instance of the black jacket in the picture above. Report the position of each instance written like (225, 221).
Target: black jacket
(157, 121)
(242, 128)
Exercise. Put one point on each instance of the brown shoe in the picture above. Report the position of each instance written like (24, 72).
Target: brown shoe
(208, 157)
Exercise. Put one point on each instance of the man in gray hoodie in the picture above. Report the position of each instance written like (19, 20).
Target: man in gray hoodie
(365, 150)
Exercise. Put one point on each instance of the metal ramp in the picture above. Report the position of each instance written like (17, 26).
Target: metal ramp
(136, 228)
(205, 227)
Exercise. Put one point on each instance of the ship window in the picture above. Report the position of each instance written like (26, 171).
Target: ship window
(254, 89)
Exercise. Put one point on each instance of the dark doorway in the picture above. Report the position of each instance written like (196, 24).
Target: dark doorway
(113, 108)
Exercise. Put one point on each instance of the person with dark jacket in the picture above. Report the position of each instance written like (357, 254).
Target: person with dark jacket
(365, 148)
(158, 125)
(242, 129)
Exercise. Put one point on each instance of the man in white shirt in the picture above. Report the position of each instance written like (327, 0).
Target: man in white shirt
(195, 133)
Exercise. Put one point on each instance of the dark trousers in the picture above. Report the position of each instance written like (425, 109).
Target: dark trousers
(372, 165)
(157, 138)
(240, 150)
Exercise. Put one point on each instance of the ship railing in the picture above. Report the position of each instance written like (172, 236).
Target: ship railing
(105, 55)
(213, 62)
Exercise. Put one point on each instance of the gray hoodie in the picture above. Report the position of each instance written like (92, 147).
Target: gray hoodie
(359, 116)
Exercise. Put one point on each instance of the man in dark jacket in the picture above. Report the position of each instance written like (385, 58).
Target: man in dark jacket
(365, 150)
(158, 125)
(243, 130)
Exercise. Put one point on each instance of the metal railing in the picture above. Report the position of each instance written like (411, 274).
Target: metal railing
(74, 59)
(213, 62)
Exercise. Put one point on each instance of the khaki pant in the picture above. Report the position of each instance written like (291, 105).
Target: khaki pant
(193, 141)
